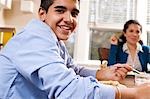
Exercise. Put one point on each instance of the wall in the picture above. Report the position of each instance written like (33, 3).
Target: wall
(16, 18)
(82, 52)
(1, 17)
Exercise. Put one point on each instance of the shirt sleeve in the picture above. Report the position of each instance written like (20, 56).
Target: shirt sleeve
(63, 83)
(79, 70)
(39, 62)
(112, 55)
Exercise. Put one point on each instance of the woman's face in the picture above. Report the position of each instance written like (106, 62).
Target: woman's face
(132, 34)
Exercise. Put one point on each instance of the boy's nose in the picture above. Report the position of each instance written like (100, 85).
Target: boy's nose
(68, 18)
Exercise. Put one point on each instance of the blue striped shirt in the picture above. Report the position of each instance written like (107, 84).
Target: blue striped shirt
(35, 65)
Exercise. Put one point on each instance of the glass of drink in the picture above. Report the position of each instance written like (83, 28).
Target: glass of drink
(142, 78)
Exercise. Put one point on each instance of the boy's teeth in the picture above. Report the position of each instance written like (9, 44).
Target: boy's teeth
(64, 27)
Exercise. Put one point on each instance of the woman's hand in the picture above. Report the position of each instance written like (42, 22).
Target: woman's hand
(116, 72)
(114, 40)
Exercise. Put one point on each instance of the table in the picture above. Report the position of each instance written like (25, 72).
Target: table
(129, 81)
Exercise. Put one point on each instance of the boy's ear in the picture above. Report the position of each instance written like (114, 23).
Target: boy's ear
(42, 14)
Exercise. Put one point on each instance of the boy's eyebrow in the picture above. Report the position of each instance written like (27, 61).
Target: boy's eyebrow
(62, 7)
(76, 10)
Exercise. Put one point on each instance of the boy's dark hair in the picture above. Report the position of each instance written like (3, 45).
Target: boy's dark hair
(45, 4)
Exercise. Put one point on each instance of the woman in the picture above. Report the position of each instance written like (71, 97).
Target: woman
(129, 48)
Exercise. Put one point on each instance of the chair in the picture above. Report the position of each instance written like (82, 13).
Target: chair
(103, 53)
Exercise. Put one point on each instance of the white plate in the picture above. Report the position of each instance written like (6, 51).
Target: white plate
(131, 73)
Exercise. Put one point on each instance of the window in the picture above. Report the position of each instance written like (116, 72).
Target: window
(99, 40)
(148, 38)
(111, 11)
(107, 17)
(148, 12)
(70, 44)
(148, 22)
(101, 19)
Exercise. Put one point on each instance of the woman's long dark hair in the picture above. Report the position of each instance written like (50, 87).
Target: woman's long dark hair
(122, 38)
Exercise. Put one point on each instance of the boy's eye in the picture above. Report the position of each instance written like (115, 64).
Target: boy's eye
(74, 14)
(60, 11)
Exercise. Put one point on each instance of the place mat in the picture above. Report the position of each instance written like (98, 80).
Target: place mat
(113, 83)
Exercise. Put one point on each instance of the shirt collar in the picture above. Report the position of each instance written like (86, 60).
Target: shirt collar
(139, 48)
(43, 25)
